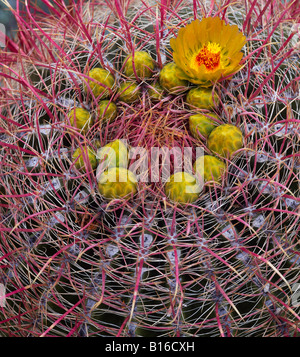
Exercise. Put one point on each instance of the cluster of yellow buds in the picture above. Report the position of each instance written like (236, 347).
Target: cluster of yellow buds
(203, 68)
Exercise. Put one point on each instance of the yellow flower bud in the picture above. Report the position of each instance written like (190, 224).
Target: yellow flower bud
(81, 119)
(129, 92)
(117, 182)
(202, 124)
(225, 139)
(182, 188)
(103, 79)
(107, 111)
(202, 98)
(114, 154)
(155, 92)
(83, 156)
(169, 81)
(212, 168)
(143, 62)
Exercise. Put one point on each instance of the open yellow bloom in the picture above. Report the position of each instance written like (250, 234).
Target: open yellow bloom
(207, 50)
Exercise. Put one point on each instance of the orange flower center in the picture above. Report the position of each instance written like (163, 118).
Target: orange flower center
(208, 56)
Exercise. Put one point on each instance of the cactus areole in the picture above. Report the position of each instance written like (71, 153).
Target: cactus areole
(149, 171)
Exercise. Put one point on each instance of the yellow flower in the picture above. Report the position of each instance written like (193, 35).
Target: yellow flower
(207, 50)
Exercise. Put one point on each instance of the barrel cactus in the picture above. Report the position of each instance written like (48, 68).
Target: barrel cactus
(81, 256)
